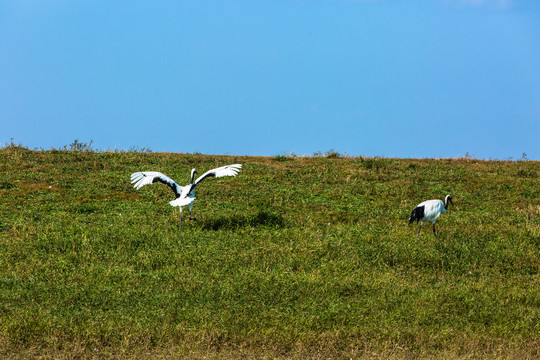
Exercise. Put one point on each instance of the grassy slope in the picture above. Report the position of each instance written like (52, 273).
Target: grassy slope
(310, 257)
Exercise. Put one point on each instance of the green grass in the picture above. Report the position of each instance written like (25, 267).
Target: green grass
(294, 258)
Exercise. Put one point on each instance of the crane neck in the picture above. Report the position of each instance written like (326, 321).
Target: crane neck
(446, 203)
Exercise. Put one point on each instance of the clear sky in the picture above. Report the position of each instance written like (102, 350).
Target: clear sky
(433, 78)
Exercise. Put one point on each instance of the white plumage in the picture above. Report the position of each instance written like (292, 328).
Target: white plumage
(184, 195)
(429, 210)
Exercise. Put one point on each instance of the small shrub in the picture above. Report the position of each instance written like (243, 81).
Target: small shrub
(282, 158)
(77, 145)
(372, 163)
(332, 154)
(137, 149)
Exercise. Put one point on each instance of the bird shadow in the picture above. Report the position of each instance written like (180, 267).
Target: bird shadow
(260, 218)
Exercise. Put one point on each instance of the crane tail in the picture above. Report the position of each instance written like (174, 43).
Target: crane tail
(181, 201)
(417, 214)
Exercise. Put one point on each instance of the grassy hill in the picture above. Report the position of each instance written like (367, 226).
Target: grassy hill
(293, 258)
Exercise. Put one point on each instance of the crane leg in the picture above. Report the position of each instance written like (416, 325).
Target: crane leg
(190, 207)
(434, 233)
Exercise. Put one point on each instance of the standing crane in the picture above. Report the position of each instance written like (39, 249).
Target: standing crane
(184, 195)
(429, 211)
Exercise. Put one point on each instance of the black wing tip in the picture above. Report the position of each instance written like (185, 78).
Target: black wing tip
(417, 214)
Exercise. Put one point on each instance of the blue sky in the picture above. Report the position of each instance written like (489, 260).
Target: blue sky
(437, 78)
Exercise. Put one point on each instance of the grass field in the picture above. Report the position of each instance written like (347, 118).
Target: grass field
(296, 257)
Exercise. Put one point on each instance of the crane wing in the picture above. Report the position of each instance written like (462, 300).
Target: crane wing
(432, 208)
(229, 170)
(149, 177)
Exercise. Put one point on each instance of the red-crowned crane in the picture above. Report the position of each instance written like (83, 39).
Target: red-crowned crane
(184, 195)
(429, 211)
